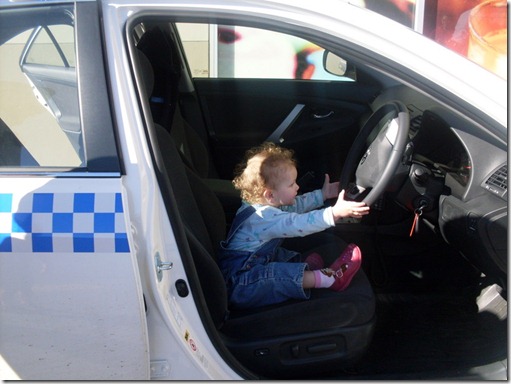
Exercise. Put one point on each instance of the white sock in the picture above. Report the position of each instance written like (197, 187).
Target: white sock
(323, 280)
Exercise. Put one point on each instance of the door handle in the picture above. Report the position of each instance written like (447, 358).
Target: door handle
(323, 116)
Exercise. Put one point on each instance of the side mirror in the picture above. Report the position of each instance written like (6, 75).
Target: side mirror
(336, 65)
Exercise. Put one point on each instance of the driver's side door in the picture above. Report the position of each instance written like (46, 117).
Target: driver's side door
(261, 85)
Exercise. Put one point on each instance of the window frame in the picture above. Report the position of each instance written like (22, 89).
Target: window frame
(101, 156)
(30, 45)
(214, 59)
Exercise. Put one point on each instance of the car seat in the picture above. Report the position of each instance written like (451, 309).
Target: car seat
(329, 331)
(298, 338)
(159, 58)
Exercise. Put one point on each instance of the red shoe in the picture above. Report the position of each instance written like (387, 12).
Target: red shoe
(314, 261)
(345, 267)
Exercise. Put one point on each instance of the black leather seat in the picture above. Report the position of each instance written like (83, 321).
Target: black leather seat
(291, 340)
(162, 72)
(329, 331)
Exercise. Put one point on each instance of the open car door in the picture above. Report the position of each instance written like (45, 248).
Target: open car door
(48, 62)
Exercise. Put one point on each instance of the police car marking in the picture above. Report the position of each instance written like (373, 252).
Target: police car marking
(62, 223)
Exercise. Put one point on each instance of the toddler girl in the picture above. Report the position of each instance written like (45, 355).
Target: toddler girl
(258, 271)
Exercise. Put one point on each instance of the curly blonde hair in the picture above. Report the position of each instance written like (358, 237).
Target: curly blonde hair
(261, 169)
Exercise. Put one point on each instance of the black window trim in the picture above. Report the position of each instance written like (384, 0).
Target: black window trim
(95, 112)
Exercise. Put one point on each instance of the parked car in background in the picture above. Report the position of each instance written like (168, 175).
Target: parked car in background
(121, 124)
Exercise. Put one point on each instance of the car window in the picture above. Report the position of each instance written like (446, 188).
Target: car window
(221, 51)
(39, 111)
(476, 29)
(52, 45)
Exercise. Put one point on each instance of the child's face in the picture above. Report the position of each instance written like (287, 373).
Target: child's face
(285, 191)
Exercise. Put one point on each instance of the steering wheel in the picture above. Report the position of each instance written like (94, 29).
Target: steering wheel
(376, 153)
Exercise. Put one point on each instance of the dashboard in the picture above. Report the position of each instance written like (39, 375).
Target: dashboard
(460, 169)
(437, 145)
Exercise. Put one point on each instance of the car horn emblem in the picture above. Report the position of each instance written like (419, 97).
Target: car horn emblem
(368, 152)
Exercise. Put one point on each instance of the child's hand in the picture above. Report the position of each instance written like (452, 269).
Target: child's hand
(330, 190)
(344, 208)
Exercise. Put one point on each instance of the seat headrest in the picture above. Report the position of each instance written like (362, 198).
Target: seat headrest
(147, 73)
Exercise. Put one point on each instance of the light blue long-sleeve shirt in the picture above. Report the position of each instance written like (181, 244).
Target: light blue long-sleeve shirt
(300, 219)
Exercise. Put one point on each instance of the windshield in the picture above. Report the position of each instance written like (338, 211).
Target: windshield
(476, 29)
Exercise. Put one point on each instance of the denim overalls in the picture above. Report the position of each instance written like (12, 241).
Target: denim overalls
(269, 275)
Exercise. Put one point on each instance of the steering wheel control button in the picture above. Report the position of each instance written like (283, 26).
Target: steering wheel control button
(262, 352)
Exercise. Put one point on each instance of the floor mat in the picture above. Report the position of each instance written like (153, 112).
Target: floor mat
(428, 323)
(420, 334)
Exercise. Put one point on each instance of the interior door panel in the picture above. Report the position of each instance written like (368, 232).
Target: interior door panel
(242, 113)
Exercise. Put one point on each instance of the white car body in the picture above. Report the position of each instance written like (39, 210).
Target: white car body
(68, 315)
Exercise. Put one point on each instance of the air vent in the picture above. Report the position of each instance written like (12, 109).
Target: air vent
(497, 182)
(415, 125)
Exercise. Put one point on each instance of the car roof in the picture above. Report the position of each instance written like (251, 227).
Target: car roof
(425, 64)
(366, 31)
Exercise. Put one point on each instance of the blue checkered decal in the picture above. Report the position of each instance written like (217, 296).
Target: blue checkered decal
(63, 223)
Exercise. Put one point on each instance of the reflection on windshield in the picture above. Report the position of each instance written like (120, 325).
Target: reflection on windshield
(475, 30)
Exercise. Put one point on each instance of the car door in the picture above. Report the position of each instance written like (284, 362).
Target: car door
(71, 304)
(262, 85)
(48, 62)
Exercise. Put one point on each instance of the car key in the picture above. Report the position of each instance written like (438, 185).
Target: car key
(415, 223)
